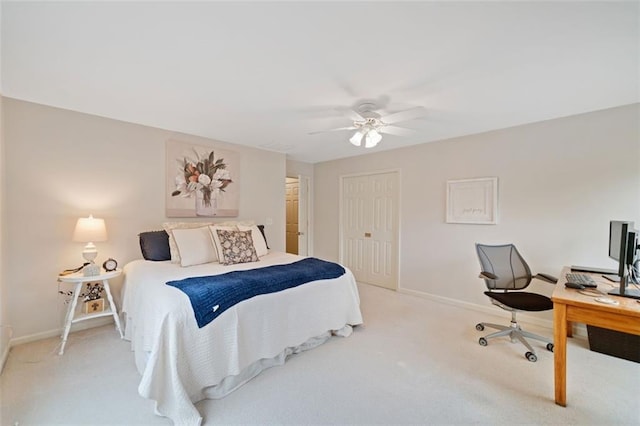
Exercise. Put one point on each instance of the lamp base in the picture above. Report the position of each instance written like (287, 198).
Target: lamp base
(91, 270)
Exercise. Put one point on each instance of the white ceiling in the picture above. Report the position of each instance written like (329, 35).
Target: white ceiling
(267, 74)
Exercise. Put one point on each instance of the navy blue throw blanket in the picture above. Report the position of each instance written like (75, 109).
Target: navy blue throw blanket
(212, 295)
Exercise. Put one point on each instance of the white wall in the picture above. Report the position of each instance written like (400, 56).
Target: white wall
(296, 168)
(5, 329)
(560, 182)
(4, 322)
(61, 165)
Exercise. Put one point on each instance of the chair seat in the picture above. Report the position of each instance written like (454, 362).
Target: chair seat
(522, 300)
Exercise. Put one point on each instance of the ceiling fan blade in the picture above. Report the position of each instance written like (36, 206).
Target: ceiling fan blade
(407, 115)
(398, 131)
(334, 130)
(354, 115)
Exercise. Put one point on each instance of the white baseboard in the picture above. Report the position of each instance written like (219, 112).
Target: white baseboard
(579, 330)
(5, 344)
(94, 322)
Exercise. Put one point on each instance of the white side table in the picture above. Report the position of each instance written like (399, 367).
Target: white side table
(79, 279)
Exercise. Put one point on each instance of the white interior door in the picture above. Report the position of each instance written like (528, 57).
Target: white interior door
(354, 226)
(369, 225)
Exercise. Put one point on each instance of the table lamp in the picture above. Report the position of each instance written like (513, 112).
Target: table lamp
(89, 230)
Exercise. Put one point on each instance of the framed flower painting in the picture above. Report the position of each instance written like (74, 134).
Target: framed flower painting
(201, 181)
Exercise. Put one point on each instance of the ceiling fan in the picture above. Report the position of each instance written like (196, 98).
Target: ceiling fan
(370, 125)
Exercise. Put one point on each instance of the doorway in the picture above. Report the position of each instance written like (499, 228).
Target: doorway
(297, 199)
(369, 227)
(292, 207)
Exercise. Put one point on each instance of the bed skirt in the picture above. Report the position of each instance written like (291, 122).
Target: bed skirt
(231, 383)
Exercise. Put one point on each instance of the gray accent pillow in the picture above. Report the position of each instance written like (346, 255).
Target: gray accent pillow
(155, 245)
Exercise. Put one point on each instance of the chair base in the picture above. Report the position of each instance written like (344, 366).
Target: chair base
(515, 333)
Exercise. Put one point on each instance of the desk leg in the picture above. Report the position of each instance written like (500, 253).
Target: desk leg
(560, 352)
(69, 318)
(107, 289)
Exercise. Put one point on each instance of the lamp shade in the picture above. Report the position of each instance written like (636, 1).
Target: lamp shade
(372, 138)
(356, 139)
(89, 230)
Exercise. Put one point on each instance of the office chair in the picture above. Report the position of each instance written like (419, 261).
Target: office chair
(506, 274)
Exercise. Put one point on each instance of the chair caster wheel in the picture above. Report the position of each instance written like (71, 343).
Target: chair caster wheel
(550, 347)
(482, 341)
(479, 327)
(531, 356)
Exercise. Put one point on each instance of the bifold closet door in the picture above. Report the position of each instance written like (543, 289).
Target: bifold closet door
(370, 227)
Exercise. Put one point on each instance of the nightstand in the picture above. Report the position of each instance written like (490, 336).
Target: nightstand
(72, 317)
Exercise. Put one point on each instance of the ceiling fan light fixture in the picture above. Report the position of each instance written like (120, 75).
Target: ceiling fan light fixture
(369, 124)
(372, 139)
(356, 139)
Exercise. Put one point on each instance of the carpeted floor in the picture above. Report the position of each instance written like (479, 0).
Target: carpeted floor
(415, 361)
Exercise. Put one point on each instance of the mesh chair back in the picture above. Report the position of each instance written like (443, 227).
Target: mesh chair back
(505, 262)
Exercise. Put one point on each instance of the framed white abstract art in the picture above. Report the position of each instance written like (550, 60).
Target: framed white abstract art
(473, 201)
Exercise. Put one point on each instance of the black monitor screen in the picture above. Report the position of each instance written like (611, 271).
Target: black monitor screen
(623, 247)
(617, 245)
(632, 246)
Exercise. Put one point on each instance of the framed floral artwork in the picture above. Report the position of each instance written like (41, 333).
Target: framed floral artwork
(201, 181)
(473, 201)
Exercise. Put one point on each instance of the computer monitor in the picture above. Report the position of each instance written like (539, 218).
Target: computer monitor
(618, 242)
(623, 247)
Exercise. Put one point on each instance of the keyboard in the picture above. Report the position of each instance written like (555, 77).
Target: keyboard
(582, 279)
(593, 270)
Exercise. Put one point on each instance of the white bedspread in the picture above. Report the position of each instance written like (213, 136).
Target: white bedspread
(182, 364)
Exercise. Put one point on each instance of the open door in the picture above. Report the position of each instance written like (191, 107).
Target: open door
(292, 200)
(303, 215)
(297, 212)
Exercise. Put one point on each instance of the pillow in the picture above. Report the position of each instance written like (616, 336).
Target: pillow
(155, 245)
(258, 240)
(195, 246)
(236, 247)
(237, 222)
(261, 228)
(170, 226)
(216, 239)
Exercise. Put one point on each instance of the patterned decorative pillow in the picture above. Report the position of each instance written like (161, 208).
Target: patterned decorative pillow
(216, 240)
(237, 247)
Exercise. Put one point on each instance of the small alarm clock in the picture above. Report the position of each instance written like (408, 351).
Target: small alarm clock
(110, 265)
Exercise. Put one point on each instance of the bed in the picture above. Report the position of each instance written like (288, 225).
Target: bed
(182, 362)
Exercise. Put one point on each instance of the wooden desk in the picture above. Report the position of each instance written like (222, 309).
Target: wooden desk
(571, 306)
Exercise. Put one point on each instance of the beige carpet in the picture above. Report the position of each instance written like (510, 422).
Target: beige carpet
(414, 361)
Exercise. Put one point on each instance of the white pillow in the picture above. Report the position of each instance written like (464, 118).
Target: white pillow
(258, 240)
(213, 235)
(236, 223)
(195, 246)
(170, 226)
